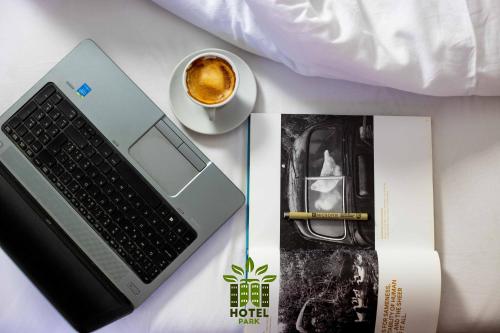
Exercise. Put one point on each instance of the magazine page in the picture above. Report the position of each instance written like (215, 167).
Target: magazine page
(404, 209)
(330, 276)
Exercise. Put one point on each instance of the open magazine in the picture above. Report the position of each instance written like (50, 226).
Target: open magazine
(375, 275)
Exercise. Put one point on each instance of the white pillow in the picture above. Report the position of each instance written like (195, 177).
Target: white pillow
(435, 47)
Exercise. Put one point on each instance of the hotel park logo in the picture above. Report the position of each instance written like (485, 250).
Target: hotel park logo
(249, 292)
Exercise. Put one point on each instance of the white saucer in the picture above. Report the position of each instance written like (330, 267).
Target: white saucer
(229, 116)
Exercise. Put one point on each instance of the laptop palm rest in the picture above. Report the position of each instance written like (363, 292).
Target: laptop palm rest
(162, 160)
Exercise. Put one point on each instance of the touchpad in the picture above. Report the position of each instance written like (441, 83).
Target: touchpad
(162, 161)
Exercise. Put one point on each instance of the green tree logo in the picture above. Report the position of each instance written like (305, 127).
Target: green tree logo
(243, 288)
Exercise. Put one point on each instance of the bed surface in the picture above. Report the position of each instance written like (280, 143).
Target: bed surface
(147, 42)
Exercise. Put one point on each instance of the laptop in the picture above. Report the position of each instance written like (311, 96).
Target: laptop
(102, 197)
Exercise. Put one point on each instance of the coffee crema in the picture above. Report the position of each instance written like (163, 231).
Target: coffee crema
(210, 80)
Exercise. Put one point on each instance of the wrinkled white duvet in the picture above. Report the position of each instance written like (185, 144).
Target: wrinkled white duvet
(434, 47)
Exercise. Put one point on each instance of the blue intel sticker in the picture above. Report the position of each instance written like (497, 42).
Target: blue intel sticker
(84, 90)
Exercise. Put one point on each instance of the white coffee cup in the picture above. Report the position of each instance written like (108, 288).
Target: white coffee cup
(210, 108)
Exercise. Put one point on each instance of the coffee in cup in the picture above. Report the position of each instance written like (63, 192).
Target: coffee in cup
(211, 81)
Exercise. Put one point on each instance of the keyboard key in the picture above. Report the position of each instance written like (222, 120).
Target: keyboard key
(149, 250)
(7, 129)
(114, 159)
(179, 246)
(44, 94)
(88, 151)
(85, 133)
(101, 200)
(59, 185)
(157, 241)
(141, 224)
(75, 136)
(45, 138)
(65, 178)
(14, 122)
(189, 237)
(79, 122)
(105, 150)
(46, 122)
(46, 158)
(117, 217)
(146, 212)
(36, 146)
(96, 141)
(27, 110)
(108, 189)
(154, 220)
(53, 130)
(69, 147)
(92, 172)
(129, 193)
(85, 163)
(89, 129)
(121, 185)
(30, 122)
(131, 177)
(73, 186)
(148, 231)
(29, 138)
(81, 195)
(52, 177)
(62, 122)
(21, 130)
(97, 159)
(76, 155)
(104, 167)
(56, 145)
(62, 157)
(54, 114)
(30, 153)
(57, 169)
(133, 215)
(47, 107)
(171, 221)
(37, 130)
(93, 190)
(116, 197)
(39, 115)
(113, 176)
(70, 166)
(171, 237)
(181, 228)
(125, 207)
(45, 170)
(67, 110)
(169, 253)
(78, 174)
(164, 212)
(100, 180)
(55, 99)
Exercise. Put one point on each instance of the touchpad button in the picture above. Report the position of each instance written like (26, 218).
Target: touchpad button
(162, 161)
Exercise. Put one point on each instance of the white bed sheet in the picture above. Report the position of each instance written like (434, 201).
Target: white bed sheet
(147, 42)
(445, 47)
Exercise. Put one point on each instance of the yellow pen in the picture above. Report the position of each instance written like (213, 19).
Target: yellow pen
(326, 216)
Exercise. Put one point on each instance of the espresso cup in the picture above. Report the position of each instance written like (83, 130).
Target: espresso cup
(210, 80)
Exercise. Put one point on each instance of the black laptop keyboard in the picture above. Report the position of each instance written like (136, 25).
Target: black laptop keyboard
(99, 183)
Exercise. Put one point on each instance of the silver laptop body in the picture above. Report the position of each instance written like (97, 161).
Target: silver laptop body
(144, 136)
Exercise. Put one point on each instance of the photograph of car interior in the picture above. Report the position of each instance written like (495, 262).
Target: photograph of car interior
(328, 166)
